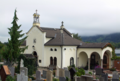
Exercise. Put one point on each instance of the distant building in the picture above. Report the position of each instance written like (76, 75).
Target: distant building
(56, 46)
(117, 52)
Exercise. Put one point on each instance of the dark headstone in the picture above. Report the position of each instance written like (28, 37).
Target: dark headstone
(44, 73)
(99, 71)
(105, 76)
(115, 76)
(62, 79)
(72, 72)
(38, 75)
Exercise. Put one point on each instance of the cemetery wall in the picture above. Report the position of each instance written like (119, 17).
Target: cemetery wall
(117, 64)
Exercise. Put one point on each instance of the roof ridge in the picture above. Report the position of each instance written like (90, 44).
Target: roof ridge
(48, 28)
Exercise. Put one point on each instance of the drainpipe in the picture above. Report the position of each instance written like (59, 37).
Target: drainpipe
(76, 57)
(61, 56)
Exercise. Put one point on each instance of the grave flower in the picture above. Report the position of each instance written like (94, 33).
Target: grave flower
(97, 66)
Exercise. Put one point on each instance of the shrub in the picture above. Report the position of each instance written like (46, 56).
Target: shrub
(9, 78)
(54, 73)
(76, 68)
(80, 72)
(69, 67)
(55, 79)
(73, 65)
(67, 79)
(33, 78)
(112, 69)
(90, 73)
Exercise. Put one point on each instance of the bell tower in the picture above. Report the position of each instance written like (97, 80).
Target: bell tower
(36, 19)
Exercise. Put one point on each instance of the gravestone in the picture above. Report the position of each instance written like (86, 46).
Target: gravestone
(50, 68)
(72, 72)
(38, 75)
(105, 76)
(25, 70)
(29, 79)
(65, 68)
(57, 72)
(12, 70)
(115, 76)
(61, 72)
(62, 79)
(99, 71)
(49, 76)
(44, 73)
(22, 77)
(67, 74)
(21, 63)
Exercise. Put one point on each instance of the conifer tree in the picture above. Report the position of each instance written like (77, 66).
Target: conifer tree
(12, 49)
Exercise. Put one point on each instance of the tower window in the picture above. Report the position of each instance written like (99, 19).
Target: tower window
(51, 49)
(64, 48)
(39, 61)
(55, 49)
(34, 40)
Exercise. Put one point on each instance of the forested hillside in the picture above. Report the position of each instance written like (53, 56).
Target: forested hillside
(114, 39)
(103, 38)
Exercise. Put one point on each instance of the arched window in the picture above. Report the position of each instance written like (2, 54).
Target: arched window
(55, 61)
(71, 61)
(51, 60)
(36, 57)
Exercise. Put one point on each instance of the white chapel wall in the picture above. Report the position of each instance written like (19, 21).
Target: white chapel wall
(47, 39)
(67, 54)
(49, 53)
(35, 33)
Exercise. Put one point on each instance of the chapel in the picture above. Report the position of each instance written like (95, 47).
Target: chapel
(57, 47)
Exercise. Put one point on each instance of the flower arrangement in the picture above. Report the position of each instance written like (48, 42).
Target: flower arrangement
(97, 66)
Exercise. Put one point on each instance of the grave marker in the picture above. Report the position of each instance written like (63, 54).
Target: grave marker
(24, 69)
(49, 75)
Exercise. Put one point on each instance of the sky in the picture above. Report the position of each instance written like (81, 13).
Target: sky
(85, 17)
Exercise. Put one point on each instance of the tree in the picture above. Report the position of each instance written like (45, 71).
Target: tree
(76, 36)
(12, 50)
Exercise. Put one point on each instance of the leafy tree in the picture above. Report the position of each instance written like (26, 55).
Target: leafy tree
(12, 50)
(1, 48)
(76, 36)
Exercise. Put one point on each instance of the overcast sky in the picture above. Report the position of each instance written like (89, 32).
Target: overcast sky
(86, 17)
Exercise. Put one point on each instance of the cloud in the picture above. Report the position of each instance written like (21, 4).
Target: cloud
(86, 17)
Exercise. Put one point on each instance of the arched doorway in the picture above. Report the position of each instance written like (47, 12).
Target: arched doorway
(94, 60)
(51, 60)
(106, 60)
(83, 60)
(55, 61)
(36, 58)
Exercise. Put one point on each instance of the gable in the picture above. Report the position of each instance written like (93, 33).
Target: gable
(36, 27)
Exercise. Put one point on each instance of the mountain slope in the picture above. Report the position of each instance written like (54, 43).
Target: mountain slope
(115, 37)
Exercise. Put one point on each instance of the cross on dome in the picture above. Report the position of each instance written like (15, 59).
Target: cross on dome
(36, 11)
(62, 23)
